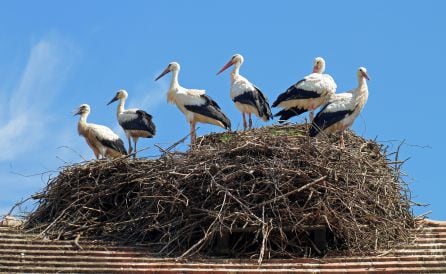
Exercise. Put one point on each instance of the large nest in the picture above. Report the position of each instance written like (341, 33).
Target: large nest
(263, 192)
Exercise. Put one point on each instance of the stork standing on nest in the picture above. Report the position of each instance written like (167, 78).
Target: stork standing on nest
(342, 109)
(102, 140)
(307, 94)
(194, 103)
(135, 122)
(246, 96)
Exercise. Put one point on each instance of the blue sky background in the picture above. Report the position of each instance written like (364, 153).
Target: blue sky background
(55, 55)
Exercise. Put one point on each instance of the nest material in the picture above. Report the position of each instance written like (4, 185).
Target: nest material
(259, 193)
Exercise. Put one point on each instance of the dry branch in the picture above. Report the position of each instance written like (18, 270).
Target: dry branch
(258, 193)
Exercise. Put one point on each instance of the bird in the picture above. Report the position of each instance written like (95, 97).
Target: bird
(135, 122)
(342, 109)
(247, 97)
(193, 103)
(101, 139)
(307, 94)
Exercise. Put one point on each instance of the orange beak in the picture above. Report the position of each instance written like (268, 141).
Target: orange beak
(225, 67)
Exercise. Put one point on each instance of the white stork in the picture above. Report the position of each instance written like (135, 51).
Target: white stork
(247, 97)
(195, 104)
(342, 109)
(307, 94)
(135, 122)
(102, 140)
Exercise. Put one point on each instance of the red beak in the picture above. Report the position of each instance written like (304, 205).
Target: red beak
(314, 69)
(225, 67)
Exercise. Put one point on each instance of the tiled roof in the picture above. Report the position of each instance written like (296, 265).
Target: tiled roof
(21, 252)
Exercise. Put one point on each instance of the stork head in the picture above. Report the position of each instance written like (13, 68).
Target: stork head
(83, 109)
(235, 59)
(174, 66)
(120, 95)
(319, 65)
(362, 73)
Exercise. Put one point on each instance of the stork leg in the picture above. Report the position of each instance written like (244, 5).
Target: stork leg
(244, 121)
(135, 140)
(250, 120)
(193, 137)
(311, 116)
(342, 144)
(130, 145)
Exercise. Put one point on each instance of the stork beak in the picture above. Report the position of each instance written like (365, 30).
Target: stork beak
(163, 73)
(314, 69)
(77, 112)
(365, 75)
(113, 100)
(225, 67)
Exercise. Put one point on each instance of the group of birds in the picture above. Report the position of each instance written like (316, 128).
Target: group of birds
(338, 110)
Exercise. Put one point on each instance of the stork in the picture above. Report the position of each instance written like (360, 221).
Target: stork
(307, 94)
(342, 109)
(102, 140)
(193, 103)
(247, 97)
(135, 122)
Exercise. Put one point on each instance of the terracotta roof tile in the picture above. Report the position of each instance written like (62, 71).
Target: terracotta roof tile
(21, 252)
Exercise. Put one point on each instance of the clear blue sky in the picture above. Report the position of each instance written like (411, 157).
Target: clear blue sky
(55, 55)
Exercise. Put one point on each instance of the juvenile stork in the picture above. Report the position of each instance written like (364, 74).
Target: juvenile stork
(247, 97)
(135, 122)
(307, 94)
(195, 104)
(102, 140)
(342, 109)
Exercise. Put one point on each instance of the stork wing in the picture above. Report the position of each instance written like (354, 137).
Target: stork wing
(107, 138)
(137, 119)
(296, 91)
(257, 99)
(286, 114)
(339, 107)
(211, 109)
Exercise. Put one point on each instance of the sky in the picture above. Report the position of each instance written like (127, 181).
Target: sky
(56, 55)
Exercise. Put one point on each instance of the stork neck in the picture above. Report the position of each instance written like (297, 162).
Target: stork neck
(174, 81)
(361, 93)
(82, 124)
(174, 87)
(322, 69)
(362, 82)
(236, 69)
(121, 105)
(83, 118)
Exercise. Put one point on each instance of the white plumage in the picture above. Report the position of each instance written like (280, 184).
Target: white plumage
(101, 139)
(307, 94)
(135, 122)
(194, 104)
(246, 96)
(342, 109)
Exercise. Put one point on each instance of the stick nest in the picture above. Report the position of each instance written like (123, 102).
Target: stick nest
(261, 193)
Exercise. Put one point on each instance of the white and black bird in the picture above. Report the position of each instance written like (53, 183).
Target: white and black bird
(247, 97)
(193, 103)
(342, 109)
(307, 94)
(102, 140)
(135, 122)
